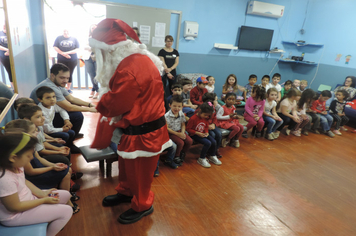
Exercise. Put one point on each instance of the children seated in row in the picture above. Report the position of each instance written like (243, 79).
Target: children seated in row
(287, 86)
(337, 111)
(275, 80)
(231, 86)
(248, 87)
(198, 129)
(41, 206)
(210, 86)
(176, 127)
(270, 116)
(47, 99)
(228, 119)
(254, 109)
(326, 120)
(196, 94)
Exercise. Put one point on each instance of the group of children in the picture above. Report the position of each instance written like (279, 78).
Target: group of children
(35, 162)
(196, 111)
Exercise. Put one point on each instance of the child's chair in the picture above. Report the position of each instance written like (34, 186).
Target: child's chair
(26, 230)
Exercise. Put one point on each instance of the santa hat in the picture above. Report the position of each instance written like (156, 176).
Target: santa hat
(111, 33)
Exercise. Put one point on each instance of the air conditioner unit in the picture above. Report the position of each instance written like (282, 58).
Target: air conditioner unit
(265, 9)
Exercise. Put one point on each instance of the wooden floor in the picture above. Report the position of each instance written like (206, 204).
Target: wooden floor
(291, 186)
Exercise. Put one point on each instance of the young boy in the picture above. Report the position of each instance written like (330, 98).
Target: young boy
(248, 87)
(176, 89)
(196, 95)
(303, 85)
(265, 81)
(275, 80)
(296, 83)
(326, 120)
(176, 127)
(47, 98)
(287, 86)
(187, 87)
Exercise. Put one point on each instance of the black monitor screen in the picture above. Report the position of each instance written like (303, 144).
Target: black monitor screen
(255, 38)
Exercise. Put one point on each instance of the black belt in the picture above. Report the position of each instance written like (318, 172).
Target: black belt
(146, 127)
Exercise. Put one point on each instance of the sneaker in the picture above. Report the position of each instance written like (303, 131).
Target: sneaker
(215, 160)
(342, 128)
(171, 164)
(296, 133)
(224, 142)
(203, 162)
(287, 132)
(178, 161)
(244, 134)
(330, 134)
(315, 131)
(91, 94)
(258, 134)
(95, 96)
(236, 143)
(305, 132)
(270, 136)
(336, 131)
(275, 134)
(156, 174)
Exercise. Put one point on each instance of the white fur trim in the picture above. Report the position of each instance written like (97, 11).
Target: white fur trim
(140, 153)
(101, 45)
(143, 46)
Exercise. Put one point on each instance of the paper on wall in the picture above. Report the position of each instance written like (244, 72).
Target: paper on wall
(145, 31)
(158, 42)
(160, 29)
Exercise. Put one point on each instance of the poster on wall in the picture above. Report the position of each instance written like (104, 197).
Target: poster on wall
(338, 57)
(348, 58)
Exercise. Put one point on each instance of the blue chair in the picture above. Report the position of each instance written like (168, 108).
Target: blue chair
(27, 230)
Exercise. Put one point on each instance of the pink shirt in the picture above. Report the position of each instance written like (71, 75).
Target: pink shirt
(12, 183)
(252, 107)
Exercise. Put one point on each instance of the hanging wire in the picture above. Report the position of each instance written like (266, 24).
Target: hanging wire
(305, 17)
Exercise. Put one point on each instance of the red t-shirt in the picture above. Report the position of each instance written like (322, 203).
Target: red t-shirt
(197, 124)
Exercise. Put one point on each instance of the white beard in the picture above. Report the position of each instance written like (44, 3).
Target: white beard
(109, 58)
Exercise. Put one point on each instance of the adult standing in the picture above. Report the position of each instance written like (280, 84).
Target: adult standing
(170, 58)
(74, 106)
(66, 47)
(349, 86)
(90, 66)
(133, 100)
(4, 53)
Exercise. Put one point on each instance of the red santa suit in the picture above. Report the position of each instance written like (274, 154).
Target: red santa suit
(135, 94)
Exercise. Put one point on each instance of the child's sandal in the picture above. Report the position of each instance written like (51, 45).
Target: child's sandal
(74, 197)
(75, 207)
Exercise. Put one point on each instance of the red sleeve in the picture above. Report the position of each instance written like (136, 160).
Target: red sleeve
(191, 124)
(314, 106)
(123, 94)
(194, 96)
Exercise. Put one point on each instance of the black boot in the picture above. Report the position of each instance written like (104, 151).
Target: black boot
(182, 155)
(113, 200)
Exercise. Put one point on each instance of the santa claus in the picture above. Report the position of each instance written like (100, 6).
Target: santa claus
(131, 98)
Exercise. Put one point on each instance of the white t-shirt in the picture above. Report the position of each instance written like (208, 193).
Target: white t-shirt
(269, 106)
(210, 89)
(270, 85)
(289, 105)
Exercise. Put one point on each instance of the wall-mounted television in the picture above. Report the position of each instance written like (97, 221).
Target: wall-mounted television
(256, 39)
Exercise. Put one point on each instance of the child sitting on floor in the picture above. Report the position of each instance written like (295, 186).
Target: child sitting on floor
(228, 119)
(198, 129)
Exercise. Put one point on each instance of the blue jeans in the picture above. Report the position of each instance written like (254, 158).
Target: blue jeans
(75, 117)
(66, 136)
(216, 134)
(171, 152)
(272, 124)
(188, 111)
(286, 121)
(209, 145)
(90, 67)
(326, 121)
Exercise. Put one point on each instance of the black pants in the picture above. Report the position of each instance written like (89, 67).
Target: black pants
(75, 117)
(5, 61)
(71, 65)
(340, 120)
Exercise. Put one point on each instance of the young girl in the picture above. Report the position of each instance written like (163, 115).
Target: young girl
(303, 100)
(228, 119)
(303, 104)
(337, 111)
(231, 86)
(272, 120)
(287, 110)
(22, 203)
(210, 87)
(214, 131)
(198, 129)
(42, 173)
(254, 108)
